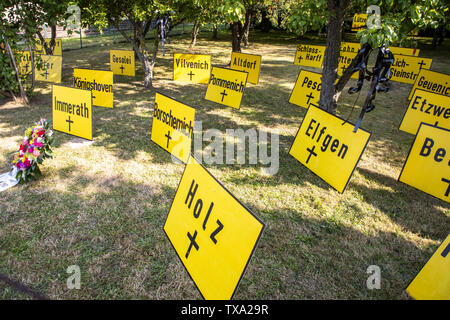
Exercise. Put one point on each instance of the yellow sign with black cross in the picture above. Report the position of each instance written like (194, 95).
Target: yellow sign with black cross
(122, 62)
(250, 63)
(327, 146)
(406, 68)
(405, 51)
(226, 86)
(72, 111)
(173, 126)
(427, 166)
(306, 89)
(100, 82)
(194, 68)
(213, 234)
(345, 59)
(57, 51)
(428, 107)
(24, 62)
(359, 21)
(52, 69)
(309, 56)
(432, 81)
(433, 281)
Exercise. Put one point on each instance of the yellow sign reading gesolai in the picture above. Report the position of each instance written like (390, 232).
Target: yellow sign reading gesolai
(427, 166)
(213, 234)
(57, 51)
(433, 281)
(52, 68)
(309, 56)
(406, 68)
(122, 62)
(306, 89)
(428, 107)
(432, 81)
(226, 86)
(99, 82)
(250, 63)
(359, 21)
(325, 142)
(173, 126)
(194, 68)
(72, 111)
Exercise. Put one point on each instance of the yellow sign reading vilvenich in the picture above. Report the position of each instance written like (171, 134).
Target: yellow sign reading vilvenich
(52, 69)
(306, 89)
(309, 56)
(226, 86)
(432, 81)
(99, 82)
(406, 68)
(194, 68)
(122, 62)
(250, 63)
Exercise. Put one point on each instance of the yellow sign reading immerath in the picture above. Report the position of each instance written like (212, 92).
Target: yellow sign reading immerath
(52, 67)
(99, 82)
(57, 51)
(226, 86)
(213, 234)
(428, 107)
(306, 89)
(72, 111)
(122, 62)
(325, 142)
(173, 126)
(432, 81)
(194, 68)
(406, 68)
(250, 63)
(309, 56)
(427, 166)
(433, 281)
(359, 21)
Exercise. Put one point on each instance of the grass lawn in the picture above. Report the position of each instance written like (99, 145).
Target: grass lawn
(101, 205)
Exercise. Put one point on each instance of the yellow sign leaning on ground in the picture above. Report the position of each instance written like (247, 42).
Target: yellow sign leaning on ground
(428, 107)
(122, 62)
(57, 51)
(309, 56)
(359, 21)
(99, 82)
(72, 111)
(325, 142)
(173, 126)
(194, 68)
(24, 62)
(406, 68)
(427, 166)
(432, 81)
(345, 59)
(433, 281)
(213, 234)
(250, 63)
(405, 51)
(52, 68)
(306, 89)
(226, 86)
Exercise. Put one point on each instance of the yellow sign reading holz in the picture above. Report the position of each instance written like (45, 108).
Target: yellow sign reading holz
(122, 62)
(72, 111)
(432, 81)
(213, 234)
(309, 56)
(226, 86)
(427, 166)
(406, 68)
(433, 281)
(194, 68)
(328, 147)
(428, 107)
(52, 67)
(306, 89)
(250, 63)
(173, 126)
(99, 82)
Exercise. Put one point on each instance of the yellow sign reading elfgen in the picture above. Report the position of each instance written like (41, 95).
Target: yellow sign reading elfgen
(406, 68)
(433, 281)
(72, 111)
(325, 142)
(173, 126)
(359, 21)
(309, 56)
(52, 68)
(432, 81)
(226, 86)
(122, 62)
(194, 68)
(213, 234)
(57, 51)
(250, 63)
(99, 82)
(427, 166)
(306, 89)
(428, 107)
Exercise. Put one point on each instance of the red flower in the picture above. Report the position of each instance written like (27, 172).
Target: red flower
(40, 133)
(22, 147)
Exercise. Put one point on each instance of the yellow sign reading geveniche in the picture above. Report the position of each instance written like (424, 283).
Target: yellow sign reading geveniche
(250, 63)
(306, 89)
(432, 81)
(52, 69)
(100, 82)
(309, 56)
(406, 68)
(194, 68)
(226, 86)
(122, 62)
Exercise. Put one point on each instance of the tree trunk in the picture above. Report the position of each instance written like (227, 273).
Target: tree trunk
(214, 33)
(49, 49)
(246, 27)
(14, 65)
(236, 32)
(194, 35)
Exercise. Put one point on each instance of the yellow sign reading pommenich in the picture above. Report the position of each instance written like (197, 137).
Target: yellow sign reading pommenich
(432, 81)
(122, 62)
(99, 82)
(250, 63)
(194, 68)
(306, 89)
(52, 69)
(226, 86)
(309, 56)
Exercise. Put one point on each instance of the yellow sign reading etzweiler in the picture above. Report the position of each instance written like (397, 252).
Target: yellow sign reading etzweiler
(309, 56)
(194, 68)
(226, 86)
(306, 89)
(432, 81)
(99, 82)
(122, 62)
(250, 63)
(52, 68)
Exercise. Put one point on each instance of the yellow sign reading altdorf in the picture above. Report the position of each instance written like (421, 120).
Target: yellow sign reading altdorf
(52, 69)
(432, 81)
(249, 63)
(99, 82)
(226, 86)
(309, 56)
(406, 68)
(194, 68)
(213, 234)
(122, 62)
(306, 89)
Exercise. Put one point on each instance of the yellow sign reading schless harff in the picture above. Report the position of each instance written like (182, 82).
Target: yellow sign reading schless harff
(122, 62)
(309, 56)
(226, 86)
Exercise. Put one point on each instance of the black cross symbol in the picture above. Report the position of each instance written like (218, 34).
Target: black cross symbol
(311, 152)
(421, 64)
(26, 68)
(310, 96)
(223, 94)
(191, 74)
(69, 121)
(121, 67)
(448, 188)
(300, 58)
(168, 138)
(46, 73)
(193, 243)
(445, 252)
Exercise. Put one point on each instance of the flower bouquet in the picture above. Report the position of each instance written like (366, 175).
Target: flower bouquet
(35, 147)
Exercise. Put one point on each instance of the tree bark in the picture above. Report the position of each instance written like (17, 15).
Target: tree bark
(49, 49)
(246, 27)
(214, 32)
(14, 65)
(194, 35)
(236, 33)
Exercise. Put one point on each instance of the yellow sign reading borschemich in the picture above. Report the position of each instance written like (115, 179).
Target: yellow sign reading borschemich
(427, 166)
(309, 56)
(306, 89)
(194, 68)
(173, 126)
(122, 62)
(250, 63)
(432, 81)
(433, 281)
(51, 71)
(213, 234)
(325, 142)
(226, 86)
(406, 68)
(72, 111)
(99, 82)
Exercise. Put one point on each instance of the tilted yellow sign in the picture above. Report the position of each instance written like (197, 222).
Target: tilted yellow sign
(57, 51)
(194, 68)
(250, 63)
(359, 21)
(72, 111)
(309, 56)
(24, 62)
(405, 51)
(345, 59)
(122, 62)
(173, 126)
(433, 281)
(99, 82)
(306, 89)
(428, 107)
(213, 234)
(327, 146)
(52, 69)
(427, 166)
(432, 81)
(406, 68)
(226, 86)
